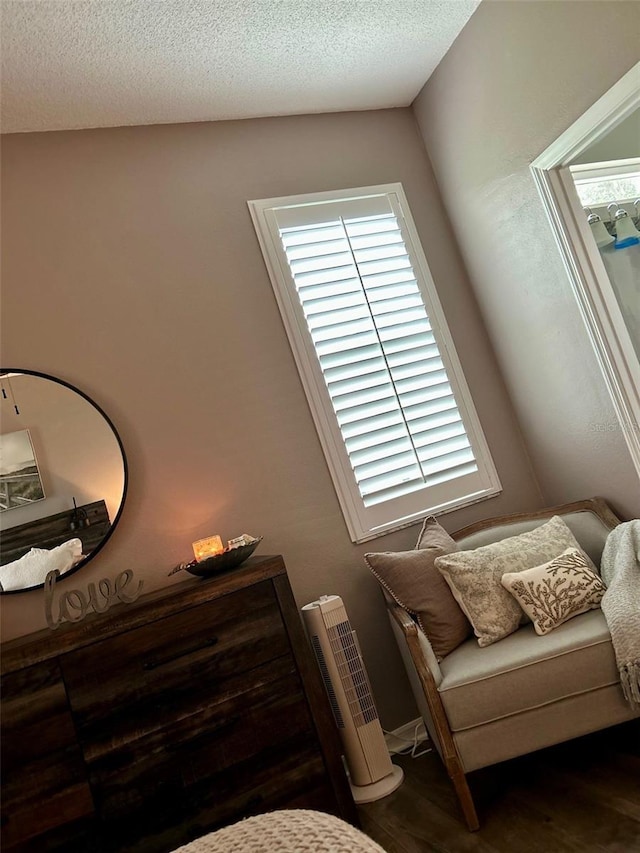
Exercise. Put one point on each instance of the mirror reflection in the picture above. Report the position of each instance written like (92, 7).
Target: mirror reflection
(607, 179)
(63, 478)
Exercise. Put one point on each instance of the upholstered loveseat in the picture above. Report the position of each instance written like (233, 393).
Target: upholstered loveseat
(482, 706)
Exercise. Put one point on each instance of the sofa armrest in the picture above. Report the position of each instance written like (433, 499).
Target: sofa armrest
(424, 676)
(410, 629)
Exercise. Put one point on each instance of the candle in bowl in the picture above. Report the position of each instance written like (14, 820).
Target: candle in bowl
(208, 547)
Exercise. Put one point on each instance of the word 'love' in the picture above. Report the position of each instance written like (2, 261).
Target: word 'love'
(75, 604)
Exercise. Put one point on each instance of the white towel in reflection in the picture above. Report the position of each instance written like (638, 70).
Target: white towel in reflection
(33, 568)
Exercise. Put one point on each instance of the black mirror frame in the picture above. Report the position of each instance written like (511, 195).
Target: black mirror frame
(125, 466)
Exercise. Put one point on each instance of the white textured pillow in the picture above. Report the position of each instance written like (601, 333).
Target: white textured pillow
(33, 568)
(556, 591)
(474, 576)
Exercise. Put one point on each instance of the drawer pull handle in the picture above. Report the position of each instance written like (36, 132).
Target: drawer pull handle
(154, 664)
(204, 737)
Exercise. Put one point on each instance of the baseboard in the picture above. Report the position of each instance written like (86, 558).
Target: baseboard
(402, 738)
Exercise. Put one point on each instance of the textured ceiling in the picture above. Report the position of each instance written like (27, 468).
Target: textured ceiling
(104, 63)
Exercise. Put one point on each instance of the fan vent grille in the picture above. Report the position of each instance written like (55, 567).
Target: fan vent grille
(324, 672)
(352, 673)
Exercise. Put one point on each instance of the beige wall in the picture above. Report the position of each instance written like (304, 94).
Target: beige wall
(131, 270)
(519, 74)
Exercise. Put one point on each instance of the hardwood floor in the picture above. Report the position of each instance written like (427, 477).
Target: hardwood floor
(577, 797)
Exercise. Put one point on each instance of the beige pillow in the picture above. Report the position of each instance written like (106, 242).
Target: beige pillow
(556, 591)
(411, 579)
(474, 576)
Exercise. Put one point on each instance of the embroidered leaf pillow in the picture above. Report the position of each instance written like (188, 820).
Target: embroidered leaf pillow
(556, 591)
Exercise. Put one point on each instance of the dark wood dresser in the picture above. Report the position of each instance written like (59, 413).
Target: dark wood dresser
(156, 722)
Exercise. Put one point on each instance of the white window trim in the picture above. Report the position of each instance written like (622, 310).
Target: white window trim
(313, 381)
(612, 170)
(606, 170)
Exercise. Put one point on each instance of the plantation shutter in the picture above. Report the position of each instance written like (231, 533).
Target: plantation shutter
(360, 305)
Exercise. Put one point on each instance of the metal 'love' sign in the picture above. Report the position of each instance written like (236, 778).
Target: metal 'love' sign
(74, 604)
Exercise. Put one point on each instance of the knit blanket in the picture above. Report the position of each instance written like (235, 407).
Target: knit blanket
(286, 831)
(620, 570)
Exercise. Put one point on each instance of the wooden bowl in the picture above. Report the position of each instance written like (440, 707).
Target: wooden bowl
(229, 559)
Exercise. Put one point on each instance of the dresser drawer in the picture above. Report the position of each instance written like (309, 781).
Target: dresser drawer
(118, 681)
(41, 760)
(283, 775)
(194, 751)
(293, 772)
(158, 733)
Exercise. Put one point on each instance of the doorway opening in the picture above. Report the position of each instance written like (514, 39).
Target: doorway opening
(608, 310)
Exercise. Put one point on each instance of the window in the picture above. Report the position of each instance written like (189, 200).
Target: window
(599, 184)
(392, 410)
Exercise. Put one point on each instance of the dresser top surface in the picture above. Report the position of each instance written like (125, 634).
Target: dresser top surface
(45, 644)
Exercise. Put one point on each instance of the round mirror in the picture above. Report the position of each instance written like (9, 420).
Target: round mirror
(63, 478)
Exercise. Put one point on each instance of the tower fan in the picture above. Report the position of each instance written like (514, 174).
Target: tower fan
(372, 775)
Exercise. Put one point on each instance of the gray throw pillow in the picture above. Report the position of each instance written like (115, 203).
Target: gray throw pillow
(412, 580)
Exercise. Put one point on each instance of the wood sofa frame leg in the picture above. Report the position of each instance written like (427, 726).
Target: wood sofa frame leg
(463, 792)
(450, 755)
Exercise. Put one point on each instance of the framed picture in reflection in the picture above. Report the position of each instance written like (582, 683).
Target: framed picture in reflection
(20, 482)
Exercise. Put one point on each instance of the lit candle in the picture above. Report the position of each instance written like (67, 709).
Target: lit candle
(208, 547)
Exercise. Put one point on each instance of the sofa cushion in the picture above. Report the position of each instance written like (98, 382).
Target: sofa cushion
(474, 576)
(556, 591)
(526, 671)
(412, 580)
(540, 727)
